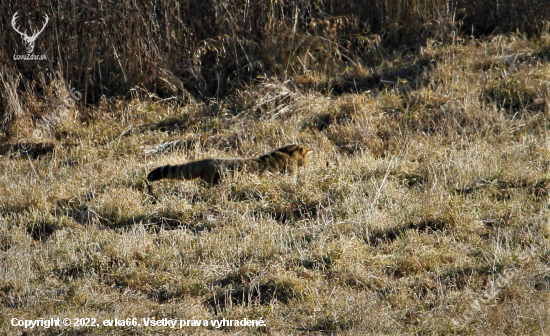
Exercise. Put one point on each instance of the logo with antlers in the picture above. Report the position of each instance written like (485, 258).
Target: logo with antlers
(28, 40)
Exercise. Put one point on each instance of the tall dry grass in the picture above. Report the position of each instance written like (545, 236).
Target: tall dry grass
(197, 50)
(428, 182)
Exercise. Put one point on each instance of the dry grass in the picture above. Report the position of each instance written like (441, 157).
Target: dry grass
(194, 50)
(429, 179)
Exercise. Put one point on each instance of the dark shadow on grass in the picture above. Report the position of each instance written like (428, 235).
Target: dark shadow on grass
(329, 325)
(380, 236)
(323, 263)
(34, 150)
(457, 278)
(377, 81)
(243, 293)
(294, 212)
(42, 230)
(502, 190)
(171, 124)
(152, 223)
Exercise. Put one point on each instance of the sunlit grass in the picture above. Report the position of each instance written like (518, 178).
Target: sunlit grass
(420, 192)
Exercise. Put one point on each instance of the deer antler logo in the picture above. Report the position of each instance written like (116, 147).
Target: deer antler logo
(28, 40)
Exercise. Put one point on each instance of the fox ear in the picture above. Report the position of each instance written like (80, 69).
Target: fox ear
(306, 151)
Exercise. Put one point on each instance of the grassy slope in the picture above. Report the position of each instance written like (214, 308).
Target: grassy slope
(418, 196)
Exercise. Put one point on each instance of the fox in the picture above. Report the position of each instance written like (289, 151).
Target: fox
(285, 159)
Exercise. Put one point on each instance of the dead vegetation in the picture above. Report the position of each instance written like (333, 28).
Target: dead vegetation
(429, 180)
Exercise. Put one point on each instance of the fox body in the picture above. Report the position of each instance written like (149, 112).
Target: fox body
(282, 160)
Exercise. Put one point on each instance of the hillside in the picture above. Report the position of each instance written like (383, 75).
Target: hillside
(424, 208)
